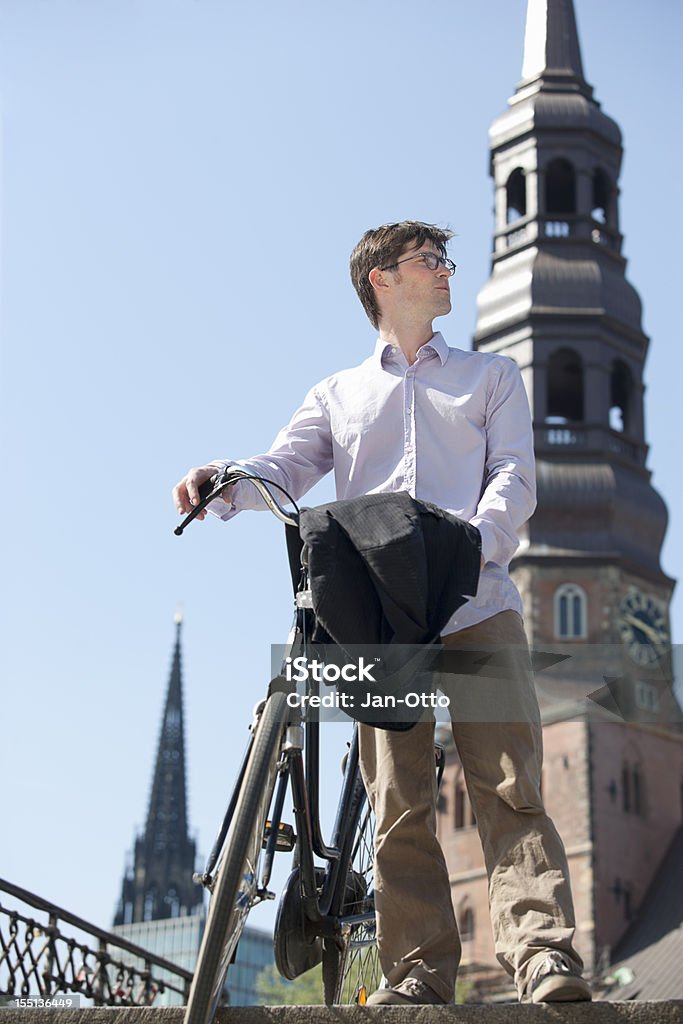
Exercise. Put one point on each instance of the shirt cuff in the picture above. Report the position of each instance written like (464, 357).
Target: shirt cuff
(488, 539)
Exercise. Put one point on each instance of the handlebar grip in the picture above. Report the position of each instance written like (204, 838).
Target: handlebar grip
(207, 487)
(205, 490)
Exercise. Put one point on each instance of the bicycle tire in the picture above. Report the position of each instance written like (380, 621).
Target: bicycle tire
(351, 968)
(238, 873)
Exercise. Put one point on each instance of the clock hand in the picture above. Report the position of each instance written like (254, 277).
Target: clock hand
(654, 634)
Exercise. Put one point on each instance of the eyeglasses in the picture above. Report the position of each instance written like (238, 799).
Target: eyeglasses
(430, 260)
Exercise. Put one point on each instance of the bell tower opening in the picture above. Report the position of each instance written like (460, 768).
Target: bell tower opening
(560, 187)
(601, 195)
(565, 387)
(515, 191)
(621, 397)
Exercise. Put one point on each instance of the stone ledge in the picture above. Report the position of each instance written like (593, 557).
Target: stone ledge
(670, 1012)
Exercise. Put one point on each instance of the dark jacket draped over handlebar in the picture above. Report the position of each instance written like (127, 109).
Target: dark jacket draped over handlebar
(387, 570)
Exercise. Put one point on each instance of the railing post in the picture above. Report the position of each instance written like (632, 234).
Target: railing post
(48, 970)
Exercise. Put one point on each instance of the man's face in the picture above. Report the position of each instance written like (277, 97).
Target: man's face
(416, 293)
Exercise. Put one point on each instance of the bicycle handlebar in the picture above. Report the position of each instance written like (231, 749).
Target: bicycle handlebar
(215, 485)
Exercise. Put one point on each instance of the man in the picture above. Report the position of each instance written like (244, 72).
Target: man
(452, 428)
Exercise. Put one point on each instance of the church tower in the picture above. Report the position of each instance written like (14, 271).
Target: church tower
(559, 303)
(160, 885)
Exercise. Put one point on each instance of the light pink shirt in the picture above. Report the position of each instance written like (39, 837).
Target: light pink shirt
(454, 429)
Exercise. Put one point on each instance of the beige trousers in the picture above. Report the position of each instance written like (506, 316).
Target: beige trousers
(529, 893)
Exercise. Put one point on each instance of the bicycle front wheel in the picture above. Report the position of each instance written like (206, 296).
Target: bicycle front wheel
(235, 891)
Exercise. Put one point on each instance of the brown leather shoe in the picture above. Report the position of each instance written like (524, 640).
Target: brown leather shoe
(554, 980)
(410, 990)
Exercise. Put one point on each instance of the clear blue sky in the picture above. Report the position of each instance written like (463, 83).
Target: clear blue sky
(182, 183)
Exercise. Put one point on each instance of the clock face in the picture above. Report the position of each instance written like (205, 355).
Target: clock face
(643, 627)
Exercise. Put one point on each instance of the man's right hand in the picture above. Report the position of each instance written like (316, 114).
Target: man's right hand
(186, 492)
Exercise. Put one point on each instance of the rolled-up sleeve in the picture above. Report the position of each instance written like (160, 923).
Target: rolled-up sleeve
(299, 457)
(509, 488)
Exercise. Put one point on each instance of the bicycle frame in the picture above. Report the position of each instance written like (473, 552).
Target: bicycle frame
(299, 766)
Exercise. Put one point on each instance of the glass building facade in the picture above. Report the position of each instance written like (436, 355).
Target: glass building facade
(178, 939)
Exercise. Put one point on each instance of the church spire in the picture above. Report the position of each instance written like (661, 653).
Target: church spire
(551, 42)
(160, 885)
(167, 815)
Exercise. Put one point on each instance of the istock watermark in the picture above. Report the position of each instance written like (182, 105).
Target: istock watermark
(405, 683)
(306, 670)
(301, 669)
(347, 702)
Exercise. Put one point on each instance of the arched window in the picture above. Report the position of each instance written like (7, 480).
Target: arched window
(621, 396)
(560, 187)
(571, 606)
(633, 794)
(516, 196)
(602, 189)
(467, 925)
(565, 387)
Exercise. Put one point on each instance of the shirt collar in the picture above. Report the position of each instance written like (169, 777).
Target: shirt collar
(436, 343)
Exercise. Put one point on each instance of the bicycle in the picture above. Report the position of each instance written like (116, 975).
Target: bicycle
(326, 912)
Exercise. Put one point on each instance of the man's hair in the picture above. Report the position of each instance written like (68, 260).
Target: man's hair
(380, 247)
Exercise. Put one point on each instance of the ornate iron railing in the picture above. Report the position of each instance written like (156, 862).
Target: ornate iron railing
(50, 956)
